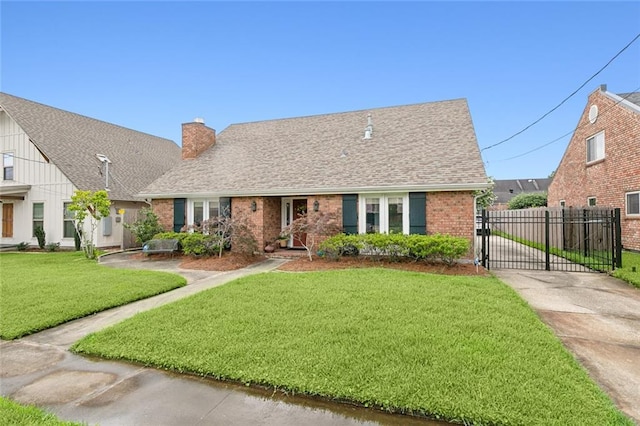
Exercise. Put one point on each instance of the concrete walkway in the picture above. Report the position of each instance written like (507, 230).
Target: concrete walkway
(39, 370)
(597, 318)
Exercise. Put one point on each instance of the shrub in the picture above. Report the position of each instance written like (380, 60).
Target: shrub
(146, 226)
(428, 248)
(200, 244)
(23, 246)
(77, 239)
(53, 246)
(171, 236)
(41, 236)
(525, 201)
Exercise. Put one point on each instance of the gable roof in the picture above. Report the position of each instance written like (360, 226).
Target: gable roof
(506, 189)
(71, 142)
(413, 147)
(633, 97)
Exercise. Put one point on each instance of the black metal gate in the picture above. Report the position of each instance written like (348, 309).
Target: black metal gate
(552, 239)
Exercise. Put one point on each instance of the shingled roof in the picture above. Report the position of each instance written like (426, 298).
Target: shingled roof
(428, 146)
(506, 189)
(633, 97)
(71, 142)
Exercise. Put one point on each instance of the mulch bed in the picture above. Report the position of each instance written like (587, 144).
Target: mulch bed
(233, 261)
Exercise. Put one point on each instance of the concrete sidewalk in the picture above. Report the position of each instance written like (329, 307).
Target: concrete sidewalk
(597, 318)
(39, 370)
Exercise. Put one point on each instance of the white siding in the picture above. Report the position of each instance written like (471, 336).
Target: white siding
(48, 185)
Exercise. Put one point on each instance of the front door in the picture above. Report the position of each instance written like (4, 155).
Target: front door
(7, 220)
(299, 208)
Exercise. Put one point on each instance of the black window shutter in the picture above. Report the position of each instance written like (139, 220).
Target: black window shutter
(350, 213)
(418, 213)
(225, 206)
(178, 214)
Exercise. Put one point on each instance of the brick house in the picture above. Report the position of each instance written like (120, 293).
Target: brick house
(601, 165)
(409, 169)
(48, 153)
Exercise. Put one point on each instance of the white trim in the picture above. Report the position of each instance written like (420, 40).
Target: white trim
(622, 101)
(595, 201)
(205, 208)
(384, 211)
(301, 192)
(626, 203)
(596, 137)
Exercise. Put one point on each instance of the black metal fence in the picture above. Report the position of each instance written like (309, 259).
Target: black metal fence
(552, 239)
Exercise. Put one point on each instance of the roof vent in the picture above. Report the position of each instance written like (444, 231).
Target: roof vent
(368, 131)
(593, 114)
(198, 120)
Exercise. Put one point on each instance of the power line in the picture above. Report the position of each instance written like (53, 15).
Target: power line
(565, 99)
(570, 132)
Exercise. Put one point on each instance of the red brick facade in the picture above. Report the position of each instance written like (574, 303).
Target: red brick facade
(449, 213)
(163, 208)
(609, 179)
(196, 138)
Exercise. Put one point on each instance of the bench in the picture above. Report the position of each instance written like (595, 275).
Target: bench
(160, 246)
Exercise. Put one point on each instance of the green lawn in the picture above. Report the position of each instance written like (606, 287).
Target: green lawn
(12, 413)
(629, 260)
(457, 348)
(42, 290)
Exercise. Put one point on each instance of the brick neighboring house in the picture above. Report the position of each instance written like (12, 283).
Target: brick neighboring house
(48, 153)
(506, 189)
(601, 166)
(410, 169)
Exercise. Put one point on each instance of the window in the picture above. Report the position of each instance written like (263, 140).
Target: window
(591, 201)
(595, 147)
(68, 229)
(384, 213)
(200, 210)
(7, 166)
(633, 203)
(562, 203)
(38, 216)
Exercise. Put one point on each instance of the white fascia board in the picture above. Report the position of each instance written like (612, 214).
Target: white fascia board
(282, 192)
(622, 101)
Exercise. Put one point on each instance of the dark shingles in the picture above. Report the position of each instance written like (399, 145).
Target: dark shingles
(71, 141)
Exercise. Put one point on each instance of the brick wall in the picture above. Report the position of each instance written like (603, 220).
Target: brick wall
(164, 210)
(451, 213)
(196, 138)
(609, 179)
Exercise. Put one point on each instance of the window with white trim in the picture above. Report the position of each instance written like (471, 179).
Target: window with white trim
(7, 166)
(591, 201)
(632, 205)
(200, 210)
(37, 217)
(383, 213)
(68, 229)
(595, 147)
(562, 203)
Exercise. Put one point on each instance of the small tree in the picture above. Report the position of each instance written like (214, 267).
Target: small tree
(40, 236)
(96, 206)
(226, 230)
(486, 197)
(146, 226)
(527, 200)
(311, 229)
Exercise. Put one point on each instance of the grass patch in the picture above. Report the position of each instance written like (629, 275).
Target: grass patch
(13, 413)
(452, 347)
(629, 261)
(42, 290)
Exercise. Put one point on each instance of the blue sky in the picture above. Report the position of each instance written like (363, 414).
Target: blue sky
(151, 66)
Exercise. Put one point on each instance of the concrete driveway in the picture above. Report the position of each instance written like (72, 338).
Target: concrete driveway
(597, 317)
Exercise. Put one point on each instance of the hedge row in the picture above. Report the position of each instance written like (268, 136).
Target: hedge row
(192, 243)
(428, 248)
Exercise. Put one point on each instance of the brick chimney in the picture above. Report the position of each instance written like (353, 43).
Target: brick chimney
(196, 138)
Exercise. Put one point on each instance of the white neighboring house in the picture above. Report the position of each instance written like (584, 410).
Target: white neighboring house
(48, 153)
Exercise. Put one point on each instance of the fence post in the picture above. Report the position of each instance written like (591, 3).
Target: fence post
(547, 258)
(618, 238)
(484, 239)
(585, 230)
